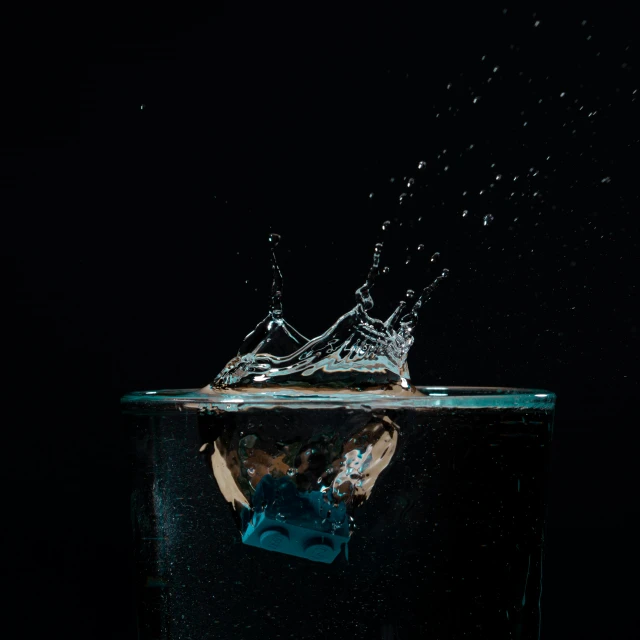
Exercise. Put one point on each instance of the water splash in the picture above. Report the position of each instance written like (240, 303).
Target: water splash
(359, 352)
(274, 334)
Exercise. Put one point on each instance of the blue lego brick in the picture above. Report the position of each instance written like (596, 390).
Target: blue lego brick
(275, 535)
(298, 523)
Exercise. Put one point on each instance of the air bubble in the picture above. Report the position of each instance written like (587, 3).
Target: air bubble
(499, 176)
(410, 293)
(251, 470)
(386, 224)
(435, 257)
(274, 239)
(422, 164)
(386, 270)
(488, 219)
(420, 247)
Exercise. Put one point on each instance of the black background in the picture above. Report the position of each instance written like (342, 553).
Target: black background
(134, 251)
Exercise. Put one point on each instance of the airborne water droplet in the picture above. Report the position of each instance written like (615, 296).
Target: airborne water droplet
(487, 220)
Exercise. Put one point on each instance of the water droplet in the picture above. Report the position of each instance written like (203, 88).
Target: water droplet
(422, 164)
(386, 270)
(488, 219)
(420, 247)
(274, 239)
(499, 176)
(410, 293)
(386, 224)
(251, 470)
(435, 257)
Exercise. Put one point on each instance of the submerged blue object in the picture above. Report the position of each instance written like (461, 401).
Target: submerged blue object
(294, 522)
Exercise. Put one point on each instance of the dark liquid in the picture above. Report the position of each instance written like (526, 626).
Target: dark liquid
(448, 545)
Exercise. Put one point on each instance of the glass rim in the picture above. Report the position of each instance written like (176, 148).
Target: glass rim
(426, 397)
